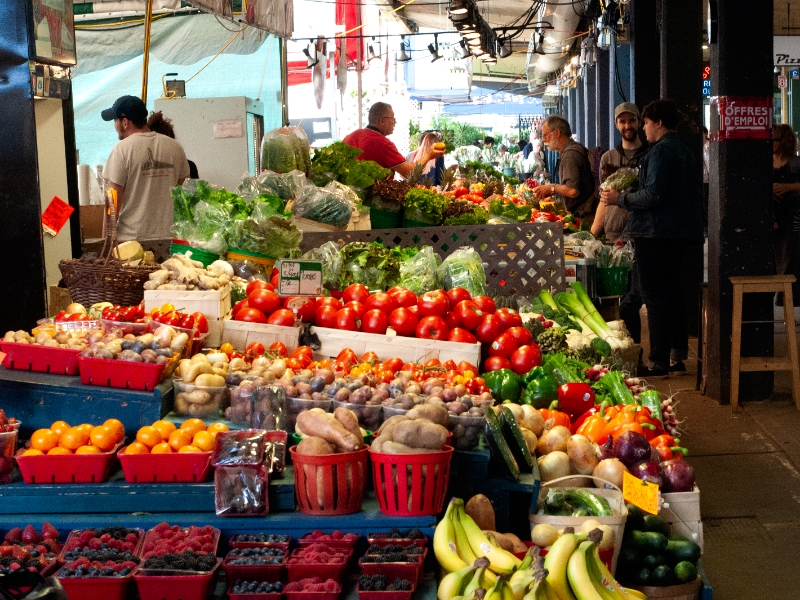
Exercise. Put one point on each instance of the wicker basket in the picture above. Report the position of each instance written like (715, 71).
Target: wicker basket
(105, 279)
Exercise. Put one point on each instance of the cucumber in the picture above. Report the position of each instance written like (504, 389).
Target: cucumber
(635, 518)
(654, 523)
(662, 576)
(677, 551)
(630, 560)
(515, 440)
(685, 572)
(500, 452)
(596, 506)
(648, 542)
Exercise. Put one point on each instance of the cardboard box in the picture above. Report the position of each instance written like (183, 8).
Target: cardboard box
(59, 300)
(91, 217)
(214, 304)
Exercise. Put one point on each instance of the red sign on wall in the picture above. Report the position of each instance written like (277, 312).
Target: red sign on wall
(744, 118)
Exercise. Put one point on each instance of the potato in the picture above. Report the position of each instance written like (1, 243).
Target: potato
(209, 380)
(420, 433)
(482, 512)
(508, 541)
(431, 412)
(348, 420)
(195, 397)
(395, 448)
(314, 446)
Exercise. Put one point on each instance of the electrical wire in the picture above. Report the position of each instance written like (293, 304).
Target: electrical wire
(233, 39)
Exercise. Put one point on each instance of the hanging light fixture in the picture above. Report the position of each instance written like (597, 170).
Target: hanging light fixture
(465, 52)
(434, 48)
(459, 7)
(311, 61)
(371, 50)
(403, 57)
(504, 48)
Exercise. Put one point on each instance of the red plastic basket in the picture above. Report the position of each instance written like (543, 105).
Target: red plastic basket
(96, 588)
(373, 595)
(42, 359)
(190, 467)
(72, 543)
(336, 571)
(349, 544)
(268, 573)
(105, 372)
(69, 468)
(270, 596)
(312, 595)
(430, 474)
(329, 485)
(174, 587)
(234, 542)
(383, 539)
(411, 570)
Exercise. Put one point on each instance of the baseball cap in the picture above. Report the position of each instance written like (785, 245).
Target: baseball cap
(626, 107)
(129, 107)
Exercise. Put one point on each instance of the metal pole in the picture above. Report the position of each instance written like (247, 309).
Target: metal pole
(358, 77)
(148, 20)
(284, 84)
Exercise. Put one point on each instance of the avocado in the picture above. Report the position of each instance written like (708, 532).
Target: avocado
(649, 542)
(685, 572)
(662, 576)
(654, 523)
(678, 551)
(651, 561)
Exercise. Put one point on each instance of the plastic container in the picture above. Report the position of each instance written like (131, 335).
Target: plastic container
(243, 448)
(394, 595)
(241, 491)
(122, 328)
(41, 359)
(385, 219)
(123, 374)
(466, 430)
(370, 416)
(383, 539)
(612, 281)
(216, 399)
(198, 254)
(426, 494)
(412, 571)
(336, 571)
(260, 259)
(8, 445)
(313, 595)
(330, 485)
(262, 407)
(68, 468)
(190, 467)
(175, 585)
(196, 340)
(268, 573)
(73, 542)
(96, 588)
(389, 412)
(294, 406)
(343, 544)
(249, 596)
(237, 542)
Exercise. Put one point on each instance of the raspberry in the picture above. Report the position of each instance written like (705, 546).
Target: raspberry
(294, 586)
(337, 535)
(330, 586)
(85, 536)
(132, 538)
(161, 527)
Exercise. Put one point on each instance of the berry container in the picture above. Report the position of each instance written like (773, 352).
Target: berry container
(189, 467)
(105, 372)
(393, 595)
(67, 468)
(430, 474)
(237, 542)
(190, 349)
(174, 585)
(346, 544)
(41, 359)
(268, 573)
(348, 470)
(336, 571)
(312, 595)
(412, 571)
(153, 534)
(249, 596)
(383, 539)
(96, 588)
(73, 542)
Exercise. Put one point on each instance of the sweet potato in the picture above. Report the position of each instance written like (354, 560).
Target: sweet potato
(329, 429)
(389, 423)
(508, 541)
(314, 446)
(349, 421)
(482, 512)
(420, 433)
(390, 447)
(432, 412)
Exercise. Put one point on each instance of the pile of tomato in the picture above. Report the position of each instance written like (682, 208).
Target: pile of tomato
(263, 305)
(126, 314)
(168, 315)
(462, 193)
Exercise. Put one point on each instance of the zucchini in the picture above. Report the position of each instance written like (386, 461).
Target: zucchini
(596, 506)
(654, 523)
(515, 440)
(649, 542)
(678, 551)
(500, 452)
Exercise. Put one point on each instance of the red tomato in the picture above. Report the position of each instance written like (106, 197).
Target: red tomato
(469, 315)
(265, 301)
(456, 295)
(282, 316)
(485, 303)
(403, 297)
(251, 315)
(369, 357)
(521, 335)
(275, 280)
(524, 358)
(255, 349)
(279, 347)
(347, 319)
(236, 307)
(433, 362)
(200, 322)
(325, 316)
(450, 365)
(404, 321)
(347, 356)
(374, 321)
(452, 320)
(64, 315)
(303, 307)
(393, 364)
(132, 312)
(433, 303)
(356, 306)
(432, 327)
(495, 363)
(509, 317)
(381, 301)
(357, 292)
(465, 366)
(461, 335)
(489, 329)
(294, 364)
(258, 284)
(414, 309)
(330, 301)
(504, 345)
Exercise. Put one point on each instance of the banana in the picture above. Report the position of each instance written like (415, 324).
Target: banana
(540, 590)
(556, 563)
(506, 592)
(580, 579)
(462, 544)
(476, 581)
(444, 542)
(608, 580)
(601, 585)
(478, 594)
(453, 584)
(500, 561)
(496, 593)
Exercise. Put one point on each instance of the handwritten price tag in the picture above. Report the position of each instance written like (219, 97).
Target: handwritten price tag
(640, 493)
(56, 215)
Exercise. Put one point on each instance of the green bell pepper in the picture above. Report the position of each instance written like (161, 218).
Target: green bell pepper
(540, 388)
(504, 385)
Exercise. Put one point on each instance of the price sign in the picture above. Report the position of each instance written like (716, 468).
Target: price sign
(299, 278)
(56, 215)
(640, 493)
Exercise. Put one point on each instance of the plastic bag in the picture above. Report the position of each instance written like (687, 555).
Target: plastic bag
(328, 205)
(268, 408)
(279, 151)
(613, 256)
(418, 273)
(286, 186)
(464, 268)
(330, 256)
(275, 451)
(241, 491)
(622, 180)
(239, 448)
(210, 222)
(264, 233)
(302, 149)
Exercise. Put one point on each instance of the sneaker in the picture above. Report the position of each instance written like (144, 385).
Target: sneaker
(677, 367)
(652, 373)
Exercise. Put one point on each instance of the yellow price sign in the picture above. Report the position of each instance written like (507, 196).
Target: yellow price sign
(640, 493)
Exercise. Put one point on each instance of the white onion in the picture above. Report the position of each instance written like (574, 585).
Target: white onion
(553, 440)
(611, 470)
(582, 454)
(553, 465)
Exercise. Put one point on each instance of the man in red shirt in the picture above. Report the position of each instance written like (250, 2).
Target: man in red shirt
(377, 147)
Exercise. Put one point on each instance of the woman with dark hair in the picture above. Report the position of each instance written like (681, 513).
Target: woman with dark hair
(160, 124)
(786, 196)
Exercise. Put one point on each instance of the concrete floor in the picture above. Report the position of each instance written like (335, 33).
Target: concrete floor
(747, 466)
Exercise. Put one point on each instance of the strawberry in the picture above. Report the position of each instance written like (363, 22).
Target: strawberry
(49, 532)
(30, 535)
(14, 536)
(6, 550)
(21, 554)
(52, 545)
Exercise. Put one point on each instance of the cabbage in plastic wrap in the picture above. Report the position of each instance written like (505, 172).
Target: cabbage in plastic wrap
(331, 258)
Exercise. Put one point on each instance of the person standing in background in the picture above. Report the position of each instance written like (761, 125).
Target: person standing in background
(435, 166)
(786, 197)
(161, 124)
(143, 167)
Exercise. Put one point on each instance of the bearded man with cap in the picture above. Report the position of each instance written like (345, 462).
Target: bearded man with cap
(143, 167)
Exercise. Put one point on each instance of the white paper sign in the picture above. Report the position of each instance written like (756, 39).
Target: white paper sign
(233, 128)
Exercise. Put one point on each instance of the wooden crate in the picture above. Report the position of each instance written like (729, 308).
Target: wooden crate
(682, 511)
(389, 346)
(214, 304)
(241, 333)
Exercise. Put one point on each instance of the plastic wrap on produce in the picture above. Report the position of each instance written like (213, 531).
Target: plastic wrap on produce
(330, 256)
(464, 268)
(418, 273)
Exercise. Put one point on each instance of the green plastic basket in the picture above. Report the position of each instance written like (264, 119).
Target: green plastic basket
(384, 219)
(204, 256)
(612, 281)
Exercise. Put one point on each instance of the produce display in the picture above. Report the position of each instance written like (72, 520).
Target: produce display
(29, 549)
(77, 340)
(164, 437)
(180, 272)
(165, 539)
(255, 556)
(259, 587)
(61, 438)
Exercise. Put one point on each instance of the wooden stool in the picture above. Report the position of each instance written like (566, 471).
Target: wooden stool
(763, 284)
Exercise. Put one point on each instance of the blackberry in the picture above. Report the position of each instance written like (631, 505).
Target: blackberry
(365, 582)
(401, 584)
(415, 534)
(395, 534)
(414, 550)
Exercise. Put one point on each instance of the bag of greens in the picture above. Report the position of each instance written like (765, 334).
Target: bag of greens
(463, 268)
(330, 256)
(418, 273)
(279, 151)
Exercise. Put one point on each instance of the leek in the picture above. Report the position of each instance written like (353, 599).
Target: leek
(547, 298)
(574, 304)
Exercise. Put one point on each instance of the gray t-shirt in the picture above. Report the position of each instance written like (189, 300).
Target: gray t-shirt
(147, 165)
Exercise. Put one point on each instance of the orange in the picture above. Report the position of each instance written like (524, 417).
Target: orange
(137, 448)
(88, 450)
(187, 449)
(164, 428)
(203, 440)
(87, 427)
(161, 448)
(102, 437)
(59, 427)
(178, 439)
(59, 450)
(44, 439)
(33, 452)
(216, 428)
(117, 428)
(193, 426)
(149, 436)
(73, 438)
